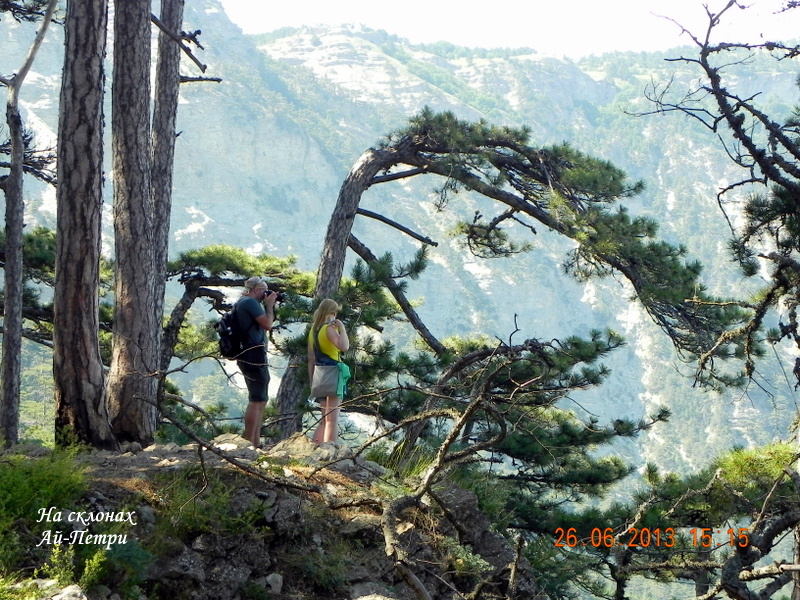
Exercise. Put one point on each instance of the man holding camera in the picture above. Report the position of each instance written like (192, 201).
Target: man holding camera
(255, 312)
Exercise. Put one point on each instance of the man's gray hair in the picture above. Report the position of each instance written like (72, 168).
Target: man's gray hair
(254, 282)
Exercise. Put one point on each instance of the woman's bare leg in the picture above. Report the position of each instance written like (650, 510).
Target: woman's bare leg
(328, 428)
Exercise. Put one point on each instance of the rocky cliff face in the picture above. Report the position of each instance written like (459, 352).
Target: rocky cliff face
(261, 156)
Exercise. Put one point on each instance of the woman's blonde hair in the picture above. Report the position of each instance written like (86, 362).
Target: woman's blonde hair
(325, 308)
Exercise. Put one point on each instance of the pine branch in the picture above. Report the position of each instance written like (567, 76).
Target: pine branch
(378, 217)
(366, 254)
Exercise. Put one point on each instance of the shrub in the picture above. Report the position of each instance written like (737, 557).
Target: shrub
(31, 485)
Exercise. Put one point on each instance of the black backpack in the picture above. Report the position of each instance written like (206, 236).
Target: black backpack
(232, 340)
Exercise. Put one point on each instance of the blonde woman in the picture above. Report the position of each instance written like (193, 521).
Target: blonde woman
(331, 339)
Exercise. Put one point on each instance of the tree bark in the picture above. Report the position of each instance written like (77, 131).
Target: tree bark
(134, 362)
(165, 111)
(331, 266)
(12, 313)
(77, 365)
(14, 283)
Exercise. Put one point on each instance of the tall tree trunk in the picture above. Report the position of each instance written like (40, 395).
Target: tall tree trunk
(13, 268)
(12, 313)
(167, 83)
(330, 271)
(134, 363)
(77, 365)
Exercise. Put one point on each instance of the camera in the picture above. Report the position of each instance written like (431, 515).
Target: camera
(280, 296)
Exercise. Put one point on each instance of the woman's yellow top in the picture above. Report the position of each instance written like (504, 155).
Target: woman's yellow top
(325, 345)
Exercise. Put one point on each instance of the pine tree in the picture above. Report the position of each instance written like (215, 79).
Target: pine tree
(558, 187)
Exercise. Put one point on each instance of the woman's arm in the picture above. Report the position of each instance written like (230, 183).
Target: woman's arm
(338, 335)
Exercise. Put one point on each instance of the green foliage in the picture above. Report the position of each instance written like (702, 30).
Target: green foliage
(366, 308)
(564, 575)
(124, 566)
(631, 239)
(586, 175)
(218, 259)
(206, 427)
(573, 194)
(463, 561)
(33, 484)
(60, 564)
(756, 469)
(225, 266)
(30, 485)
(197, 340)
(494, 493)
(553, 450)
(37, 410)
(461, 140)
(739, 489)
(39, 252)
(486, 240)
(561, 445)
(557, 464)
(363, 295)
(24, 10)
(11, 590)
(39, 257)
(95, 568)
(253, 591)
(324, 572)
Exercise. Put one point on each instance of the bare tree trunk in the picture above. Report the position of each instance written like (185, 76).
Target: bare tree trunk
(165, 113)
(13, 268)
(134, 363)
(77, 365)
(12, 312)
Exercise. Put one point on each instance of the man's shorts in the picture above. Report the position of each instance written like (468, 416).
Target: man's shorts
(256, 377)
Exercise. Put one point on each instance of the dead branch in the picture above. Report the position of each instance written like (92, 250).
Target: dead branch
(400, 175)
(186, 79)
(271, 479)
(378, 217)
(397, 293)
(178, 40)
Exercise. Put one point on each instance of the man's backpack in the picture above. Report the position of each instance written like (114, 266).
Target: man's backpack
(232, 340)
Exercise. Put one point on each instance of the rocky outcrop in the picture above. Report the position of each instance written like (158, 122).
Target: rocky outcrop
(318, 534)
